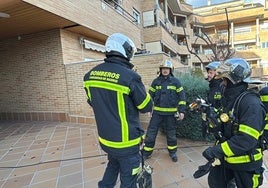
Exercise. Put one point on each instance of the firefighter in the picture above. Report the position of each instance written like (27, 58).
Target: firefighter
(169, 100)
(214, 93)
(264, 98)
(239, 147)
(117, 95)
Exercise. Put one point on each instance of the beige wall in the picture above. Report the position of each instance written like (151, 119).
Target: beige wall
(42, 77)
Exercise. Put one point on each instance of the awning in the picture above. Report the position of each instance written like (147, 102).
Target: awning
(94, 46)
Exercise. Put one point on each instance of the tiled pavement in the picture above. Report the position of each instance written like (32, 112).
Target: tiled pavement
(53, 154)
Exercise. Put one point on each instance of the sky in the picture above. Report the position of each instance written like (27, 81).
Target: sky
(198, 3)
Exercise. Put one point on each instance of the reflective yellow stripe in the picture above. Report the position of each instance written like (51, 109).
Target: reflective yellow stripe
(264, 98)
(172, 147)
(135, 171)
(171, 87)
(121, 90)
(249, 130)
(107, 85)
(145, 102)
(244, 158)
(122, 115)
(179, 89)
(217, 96)
(226, 149)
(126, 144)
(165, 109)
(182, 103)
(152, 89)
(148, 149)
(158, 87)
(255, 180)
(88, 91)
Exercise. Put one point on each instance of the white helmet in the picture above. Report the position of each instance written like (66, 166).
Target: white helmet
(120, 45)
(213, 65)
(235, 69)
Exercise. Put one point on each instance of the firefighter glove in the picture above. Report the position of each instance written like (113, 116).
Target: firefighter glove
(213, 152)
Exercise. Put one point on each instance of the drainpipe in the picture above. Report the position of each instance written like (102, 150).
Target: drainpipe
(232, 34)
(156, 7)
(166, 12)
(258, 32)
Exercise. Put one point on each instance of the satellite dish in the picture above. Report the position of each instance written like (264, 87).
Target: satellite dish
(4, 15)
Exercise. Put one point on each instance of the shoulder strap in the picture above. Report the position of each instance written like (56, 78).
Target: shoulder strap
(237, 103)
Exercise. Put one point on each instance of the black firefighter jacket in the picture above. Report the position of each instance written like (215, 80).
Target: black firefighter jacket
(168, 95)
(242, 149)
(117, 95)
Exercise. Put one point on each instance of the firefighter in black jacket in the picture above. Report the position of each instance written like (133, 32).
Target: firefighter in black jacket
(117, 95)
(213, 95)
(215, 89)
(169, 100)
(239, 146)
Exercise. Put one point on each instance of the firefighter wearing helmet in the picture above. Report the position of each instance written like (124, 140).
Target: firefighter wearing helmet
(215, 89)
(117, 95)
(169, 103)
(238, 147)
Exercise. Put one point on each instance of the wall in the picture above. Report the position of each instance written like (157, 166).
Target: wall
(33, 85)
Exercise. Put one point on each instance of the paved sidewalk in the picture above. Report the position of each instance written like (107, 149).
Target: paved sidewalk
(53, 154)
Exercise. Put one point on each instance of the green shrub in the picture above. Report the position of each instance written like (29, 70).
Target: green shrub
(194, 85)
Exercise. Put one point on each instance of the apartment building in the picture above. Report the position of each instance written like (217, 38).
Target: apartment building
(47, 46)
(248, 23)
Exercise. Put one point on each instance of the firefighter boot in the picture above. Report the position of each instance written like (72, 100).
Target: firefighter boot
(173, 157)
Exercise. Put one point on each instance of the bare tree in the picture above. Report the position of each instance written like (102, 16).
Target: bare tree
(219, 45)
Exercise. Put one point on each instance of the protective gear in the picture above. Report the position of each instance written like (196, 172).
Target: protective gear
(120, 86)
(212, 153)
(167, 64)
(120, 45)
(204, 169)
(213, 65)
(235, 69)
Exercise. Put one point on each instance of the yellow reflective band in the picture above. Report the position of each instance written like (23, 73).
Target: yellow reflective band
(255, 180)
(264, 98)
(182, 103)
(226, 149)
(244, 158)
(266, 127)
(107, 85)
(145, 102)
(156, 108)
(179, 89)
(249, 130)
(152, 89)
(217, 96)
(122, 115)
(148, 149)
(86, 87)
(135, 171)
(172, 147)
(158, 87)
(126, 144)
(171, 87)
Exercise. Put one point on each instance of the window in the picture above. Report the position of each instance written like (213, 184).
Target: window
(264, 25)
(240, 47)
(223, 32)
(244, 29)
(118, 6)
(137, 16)
(208, 52)
(264, 45)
